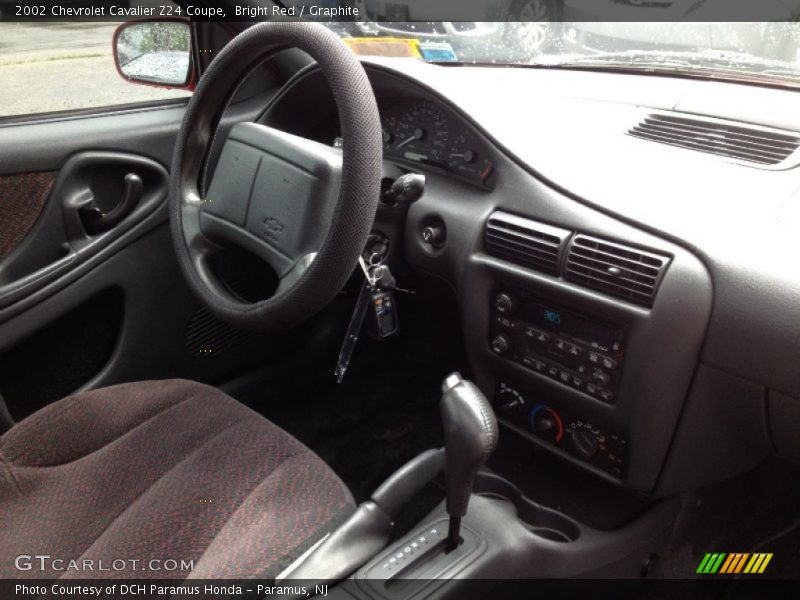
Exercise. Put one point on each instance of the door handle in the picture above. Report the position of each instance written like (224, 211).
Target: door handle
(96, 221)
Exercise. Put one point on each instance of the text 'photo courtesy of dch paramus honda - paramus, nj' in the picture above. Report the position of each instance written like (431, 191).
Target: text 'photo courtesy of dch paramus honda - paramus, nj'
(399, 299)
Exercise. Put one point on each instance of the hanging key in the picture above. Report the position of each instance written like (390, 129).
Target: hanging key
(371, 275)
(385, 280)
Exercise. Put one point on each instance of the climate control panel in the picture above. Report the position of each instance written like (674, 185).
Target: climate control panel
(578, 436)
(576, 350)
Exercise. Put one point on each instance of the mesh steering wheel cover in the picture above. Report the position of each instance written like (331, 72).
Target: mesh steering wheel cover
(357, 203)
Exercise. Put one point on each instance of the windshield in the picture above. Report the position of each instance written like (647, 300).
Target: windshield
(766, 52)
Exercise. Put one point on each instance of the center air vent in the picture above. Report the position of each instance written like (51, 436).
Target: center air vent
(618, 270)
(749, 143)
(525, 242)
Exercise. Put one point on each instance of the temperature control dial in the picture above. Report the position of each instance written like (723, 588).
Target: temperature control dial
(546, 423)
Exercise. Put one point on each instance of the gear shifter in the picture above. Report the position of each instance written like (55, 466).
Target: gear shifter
(470, 433)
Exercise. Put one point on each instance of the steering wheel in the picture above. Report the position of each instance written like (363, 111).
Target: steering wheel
(306, 209)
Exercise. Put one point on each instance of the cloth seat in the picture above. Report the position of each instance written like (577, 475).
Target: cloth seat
(164, 470)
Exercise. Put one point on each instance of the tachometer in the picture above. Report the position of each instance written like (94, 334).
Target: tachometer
(422, 134)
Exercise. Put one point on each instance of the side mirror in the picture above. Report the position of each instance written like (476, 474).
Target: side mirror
(157, 53)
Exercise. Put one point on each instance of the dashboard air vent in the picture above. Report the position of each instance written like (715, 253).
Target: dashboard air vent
(618, 270)
(752, 144)
(525, 242)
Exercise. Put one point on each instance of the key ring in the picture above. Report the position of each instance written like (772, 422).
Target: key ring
(369, 271)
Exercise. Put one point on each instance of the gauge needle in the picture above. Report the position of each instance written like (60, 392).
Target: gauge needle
(419, 133)
(468, 156)
(405, 142)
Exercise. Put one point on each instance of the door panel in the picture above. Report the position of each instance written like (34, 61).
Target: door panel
(81, 309)
(78, 150)
(46, 144)
(75, 226)
(22, 199)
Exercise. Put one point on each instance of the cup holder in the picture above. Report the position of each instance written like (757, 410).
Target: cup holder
(543, 522)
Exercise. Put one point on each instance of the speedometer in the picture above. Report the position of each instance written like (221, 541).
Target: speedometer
(422, 134)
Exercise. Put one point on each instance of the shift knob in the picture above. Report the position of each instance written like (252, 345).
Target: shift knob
(470, 433)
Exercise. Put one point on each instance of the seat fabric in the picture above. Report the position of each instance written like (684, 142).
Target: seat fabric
(160, 470)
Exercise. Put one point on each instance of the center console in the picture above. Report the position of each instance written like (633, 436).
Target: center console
(488, 528)
(575, 350)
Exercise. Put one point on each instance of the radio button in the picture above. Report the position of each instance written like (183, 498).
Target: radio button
(601, 377)
(534, 364)
(506, 322)
(609, 363)
(601, 360)
(568, 348)
(607, 395)
(538, 335)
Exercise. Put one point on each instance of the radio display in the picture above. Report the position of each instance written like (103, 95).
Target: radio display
(554, 318)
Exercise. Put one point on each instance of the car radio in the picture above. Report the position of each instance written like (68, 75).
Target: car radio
(573, 349)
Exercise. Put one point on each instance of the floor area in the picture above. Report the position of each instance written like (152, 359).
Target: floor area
(386, 410)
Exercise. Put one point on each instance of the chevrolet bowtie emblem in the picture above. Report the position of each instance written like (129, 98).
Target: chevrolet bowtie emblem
(273, 224)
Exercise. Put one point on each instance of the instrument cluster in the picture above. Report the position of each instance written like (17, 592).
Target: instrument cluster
(421, 131)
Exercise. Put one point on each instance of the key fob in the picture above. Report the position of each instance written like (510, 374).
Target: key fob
(382, 319)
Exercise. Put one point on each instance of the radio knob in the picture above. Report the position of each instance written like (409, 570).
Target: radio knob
(501, 343)
(585, 443)
(504, 303)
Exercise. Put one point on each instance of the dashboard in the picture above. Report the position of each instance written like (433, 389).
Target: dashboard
(604, 314)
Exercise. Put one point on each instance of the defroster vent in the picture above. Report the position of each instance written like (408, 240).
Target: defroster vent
(615, 269)
(525, 242)
(740, 141)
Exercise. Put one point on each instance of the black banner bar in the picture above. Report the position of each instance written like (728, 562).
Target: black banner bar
(712, 587)
(408, 11)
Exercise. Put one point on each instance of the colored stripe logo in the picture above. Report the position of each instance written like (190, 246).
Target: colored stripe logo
(734, 563)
